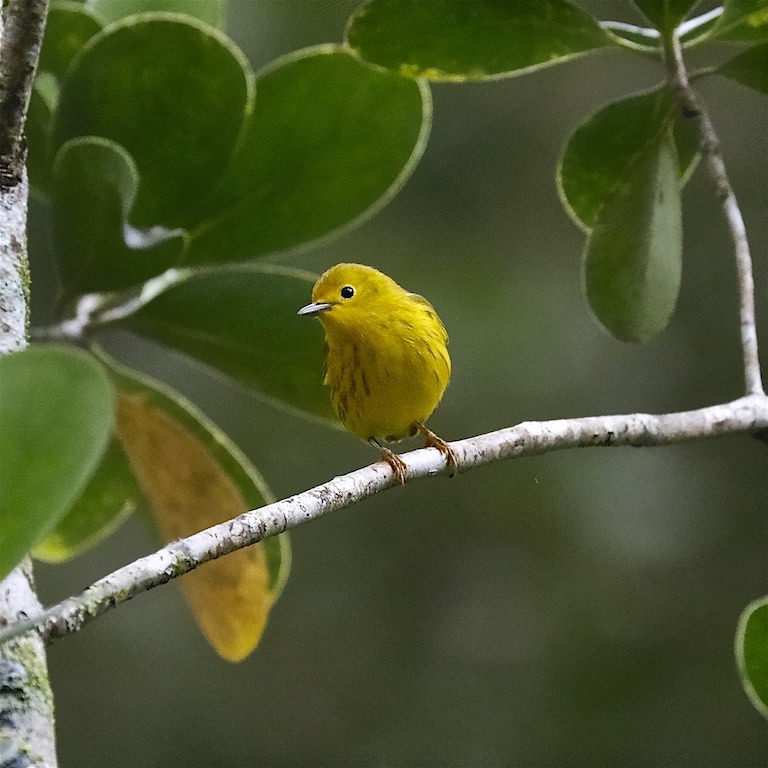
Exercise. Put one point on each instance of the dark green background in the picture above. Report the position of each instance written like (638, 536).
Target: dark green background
(573, 609)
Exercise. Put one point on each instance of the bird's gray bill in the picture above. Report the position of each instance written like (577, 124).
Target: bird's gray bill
(314, 309)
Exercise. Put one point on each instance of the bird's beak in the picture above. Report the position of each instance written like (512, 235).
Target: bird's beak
(314, 309)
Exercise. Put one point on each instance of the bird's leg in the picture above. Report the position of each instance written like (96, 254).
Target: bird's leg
(433, 441)
(398, 465)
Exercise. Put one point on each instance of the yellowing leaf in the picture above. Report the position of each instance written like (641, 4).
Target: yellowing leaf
(194, 477)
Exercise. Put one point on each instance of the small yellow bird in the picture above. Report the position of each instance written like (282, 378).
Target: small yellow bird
(386, 361)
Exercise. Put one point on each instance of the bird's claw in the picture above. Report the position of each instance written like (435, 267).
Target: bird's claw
(399, 467)
(433, 441)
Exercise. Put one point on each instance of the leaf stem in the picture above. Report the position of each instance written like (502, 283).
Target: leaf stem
(746, 416)
(699, 21)
(633, 29)
(94, 311)
(690, 107)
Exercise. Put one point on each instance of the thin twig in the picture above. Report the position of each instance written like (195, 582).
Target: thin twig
(19, 54)
(748, 415)
(710, 144)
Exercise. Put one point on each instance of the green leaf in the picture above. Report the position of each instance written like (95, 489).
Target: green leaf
(752, 653)
(743, 20)
(601, 149)
(56, 410)
(241, 320)
(633, 257)
(173, 92)
(93, 187)
(456, 40)
(665, 14)
(37, 130)
(193, 477)
(111, 495)
(68, 28)
(210, 11)
(330, 141)
(749, 68)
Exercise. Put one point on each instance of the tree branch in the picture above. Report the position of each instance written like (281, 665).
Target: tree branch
(748, 415)
(710, 144)
(26, 703)
(19, 54)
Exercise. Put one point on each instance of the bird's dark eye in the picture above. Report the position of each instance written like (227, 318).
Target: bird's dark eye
(347, 292)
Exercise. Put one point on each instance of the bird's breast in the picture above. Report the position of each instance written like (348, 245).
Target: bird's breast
(386, 378)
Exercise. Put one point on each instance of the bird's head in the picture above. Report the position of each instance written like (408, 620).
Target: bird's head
(347, 293)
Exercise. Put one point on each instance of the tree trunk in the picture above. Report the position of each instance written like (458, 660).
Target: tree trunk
(26, 702)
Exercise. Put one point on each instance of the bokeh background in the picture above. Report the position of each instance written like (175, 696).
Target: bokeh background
(572, 609)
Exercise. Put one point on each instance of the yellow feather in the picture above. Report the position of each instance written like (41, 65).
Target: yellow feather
(387, 362)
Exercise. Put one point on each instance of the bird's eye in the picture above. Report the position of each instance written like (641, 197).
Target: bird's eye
(347, 292)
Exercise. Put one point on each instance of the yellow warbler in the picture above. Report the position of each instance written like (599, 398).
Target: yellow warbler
(387, 360)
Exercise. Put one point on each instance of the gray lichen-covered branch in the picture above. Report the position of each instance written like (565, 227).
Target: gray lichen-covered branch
(26, 703)
(746, 416)
(22, 39)
(21, 36)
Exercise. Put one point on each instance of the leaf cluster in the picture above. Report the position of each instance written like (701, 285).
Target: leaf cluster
(174, 173)
(171, 170)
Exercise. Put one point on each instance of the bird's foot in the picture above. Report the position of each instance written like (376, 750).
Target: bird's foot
(433, 441)
(398, 465)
